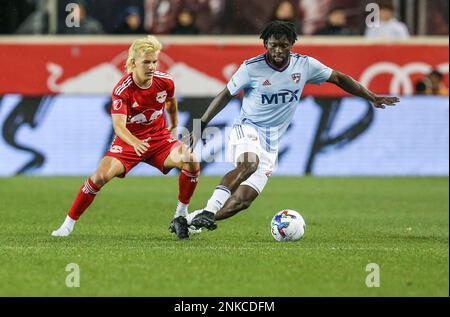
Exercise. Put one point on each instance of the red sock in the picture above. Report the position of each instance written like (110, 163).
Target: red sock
(84, 198)
(187, 183)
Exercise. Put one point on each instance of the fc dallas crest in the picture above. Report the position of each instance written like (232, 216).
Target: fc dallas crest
(296, 77)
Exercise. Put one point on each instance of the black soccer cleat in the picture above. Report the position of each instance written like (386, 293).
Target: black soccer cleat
(192, 229)
(179, 226)
(171, 227)
(205, 219)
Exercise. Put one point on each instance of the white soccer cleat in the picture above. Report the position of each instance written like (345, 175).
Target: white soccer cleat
(62, 232)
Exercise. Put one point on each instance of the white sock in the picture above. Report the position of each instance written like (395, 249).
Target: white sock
(218, 199)
(191, 215)
(65, 229)
(69, 223)
(181, 209)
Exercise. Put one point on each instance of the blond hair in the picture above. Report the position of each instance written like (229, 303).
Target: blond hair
(149, 44)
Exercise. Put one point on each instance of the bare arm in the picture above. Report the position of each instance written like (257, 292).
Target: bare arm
(218, 103)
(172, 111)
(119, 125)
(353, 87)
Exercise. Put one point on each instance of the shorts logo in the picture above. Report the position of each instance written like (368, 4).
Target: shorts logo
(116, 149)
(296, 77)
(252, 137)
(171, 140)
(117, 104)
(161, 96)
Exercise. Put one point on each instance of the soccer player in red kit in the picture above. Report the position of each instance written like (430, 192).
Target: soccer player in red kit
(139, 101)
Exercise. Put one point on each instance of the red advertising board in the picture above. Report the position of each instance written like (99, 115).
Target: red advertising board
(203, 69)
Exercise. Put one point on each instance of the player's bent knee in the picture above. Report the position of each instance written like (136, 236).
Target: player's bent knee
(191, 167)
(195, 167)
(185, 159)
(192, 163)
(100, 179)
(195, 164)
(248, 168)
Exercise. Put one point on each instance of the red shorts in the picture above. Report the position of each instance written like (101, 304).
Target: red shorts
(156, 154)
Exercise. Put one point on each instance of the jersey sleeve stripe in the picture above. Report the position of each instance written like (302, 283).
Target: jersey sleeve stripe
(296, 55)
(124, 84)
(254, 61)
(127, 82)
(163, 76)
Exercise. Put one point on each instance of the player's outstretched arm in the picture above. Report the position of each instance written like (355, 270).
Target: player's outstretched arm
(218, 103)
(353, 87)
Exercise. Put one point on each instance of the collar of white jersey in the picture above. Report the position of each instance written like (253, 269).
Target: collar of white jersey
(266, 58)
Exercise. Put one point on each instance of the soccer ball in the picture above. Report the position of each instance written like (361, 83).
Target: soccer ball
(287, 225)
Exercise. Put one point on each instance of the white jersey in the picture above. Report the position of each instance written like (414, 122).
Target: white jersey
(272, 95)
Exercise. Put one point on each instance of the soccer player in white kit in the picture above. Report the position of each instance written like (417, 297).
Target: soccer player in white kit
(272, 83)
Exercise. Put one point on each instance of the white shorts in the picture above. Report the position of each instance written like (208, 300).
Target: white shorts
(245, 138)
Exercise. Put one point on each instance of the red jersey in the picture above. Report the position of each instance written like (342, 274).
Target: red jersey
(144, 108)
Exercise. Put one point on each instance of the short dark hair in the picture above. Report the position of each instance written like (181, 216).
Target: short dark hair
(278, 29)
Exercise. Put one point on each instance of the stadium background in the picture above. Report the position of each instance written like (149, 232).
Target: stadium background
(55, 93)
(56, 89)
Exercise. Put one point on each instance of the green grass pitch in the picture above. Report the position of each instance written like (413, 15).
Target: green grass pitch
(123, 248)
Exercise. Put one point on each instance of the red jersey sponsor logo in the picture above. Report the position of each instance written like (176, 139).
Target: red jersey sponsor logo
(146, 117)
